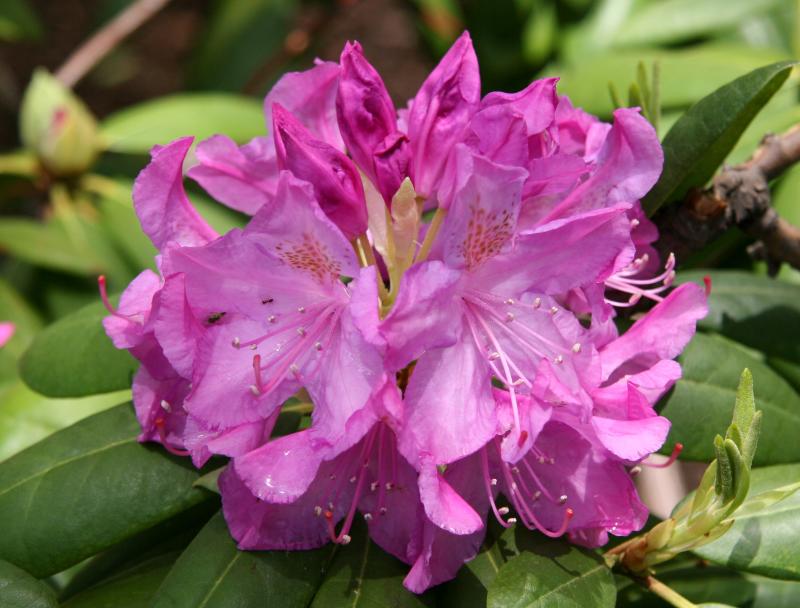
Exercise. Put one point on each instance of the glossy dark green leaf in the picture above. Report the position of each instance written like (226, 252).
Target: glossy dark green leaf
(700, 406)
(553, 574)
(701, 139)
(213, 573)
(132, 588)
(138, 128)
(27, 417)
(754, 310)
(241, 36)
(73, 357)
(767, 542)
(18, 589)
(86, 488)
(364, 575)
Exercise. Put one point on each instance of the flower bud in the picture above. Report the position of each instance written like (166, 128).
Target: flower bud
(57, 126)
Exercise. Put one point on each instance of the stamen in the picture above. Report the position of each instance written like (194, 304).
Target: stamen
(165, 405)
(101, 284)
(676, 451)
(272, 318)
(553, 310)
(576, 348)
(236, 342)
(537, 302)
(257, 372)
(162, 435)
(488, 483)
(317, 510)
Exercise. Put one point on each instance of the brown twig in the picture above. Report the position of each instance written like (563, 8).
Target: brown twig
(110, 35)
(739, 196)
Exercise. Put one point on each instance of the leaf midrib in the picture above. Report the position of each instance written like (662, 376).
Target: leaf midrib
(576, 579)
(62, 463)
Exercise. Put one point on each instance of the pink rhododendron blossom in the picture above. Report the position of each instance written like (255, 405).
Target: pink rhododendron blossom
(454, 369)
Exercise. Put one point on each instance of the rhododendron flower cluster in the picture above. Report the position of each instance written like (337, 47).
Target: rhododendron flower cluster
(439, 282)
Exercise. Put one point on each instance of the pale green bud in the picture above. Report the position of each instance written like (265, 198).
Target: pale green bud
(57, 127)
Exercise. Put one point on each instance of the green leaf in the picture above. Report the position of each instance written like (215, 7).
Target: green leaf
(698, 582)
(687, 75)
(670, 21)
(212, 573)
(362, 574)
(18, 589)
(136, 129)
(132, 588)
(73, 357)
(553, 574)
(86, 488)
(701, 139)
(703, 400)
(242, 36)
(768, 542)
(754, 310)
(18, 21)
(27, 417)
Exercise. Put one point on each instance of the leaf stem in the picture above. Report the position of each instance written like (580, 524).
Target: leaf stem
(110, 35)
(666, 593)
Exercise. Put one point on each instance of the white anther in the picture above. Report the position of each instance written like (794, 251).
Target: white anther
(493, 481)
(511, 520)
(558, 359)
(562, 499)
(301, 309)
(542, 459)
(345, 539)
(553, 310)
(294, 369)
(503, 510)
(367, 516)
(353, 479)
(510, 301)
(635, 223)
(515, 469)
(330, 506)
(518, 382)
(509, 317)
(537, 494)
(318, 345)
(513, 486)
(576, 348)
(317, 510)
(254, 347)
(254, 390)
(236, 342)
(301, 331)
(537, 302)
(373, 486)
(166, 406)
(332, 476)
(635, 471)
(389, 486)
(383, 510)
(494, 356)
(272, 318)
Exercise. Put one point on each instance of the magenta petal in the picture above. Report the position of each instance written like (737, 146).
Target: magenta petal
(6, 332)
(368, 122)
(243, 178)
(628, 165)
(126, 329)
(311, 96)
(482, 218)
(281, 470)
(175, 327)
(536, 103)
(544, 259)
(662, 333)
(235, 441)
(449, 403)
(335, 178)
(161, 203)
(425, 314)
(443, 505)
(441, 111)
(632, 439)
(259, 525)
